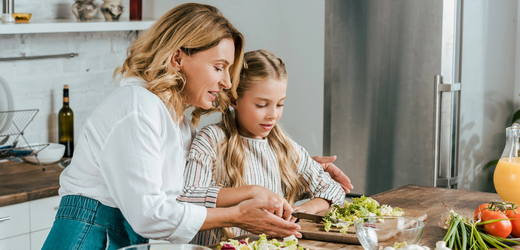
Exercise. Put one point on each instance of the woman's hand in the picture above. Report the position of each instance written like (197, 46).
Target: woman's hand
(334, 172)
(253, 216)
(265, 194)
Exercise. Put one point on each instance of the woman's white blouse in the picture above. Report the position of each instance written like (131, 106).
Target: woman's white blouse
(131, 156)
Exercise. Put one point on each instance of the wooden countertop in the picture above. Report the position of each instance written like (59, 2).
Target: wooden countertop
(434, 201)
(21, 182)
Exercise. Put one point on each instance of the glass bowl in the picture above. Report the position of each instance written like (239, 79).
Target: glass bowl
(164, 246)
(384, 231)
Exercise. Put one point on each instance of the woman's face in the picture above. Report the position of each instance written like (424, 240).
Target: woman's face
(260, 108)
(207, 73)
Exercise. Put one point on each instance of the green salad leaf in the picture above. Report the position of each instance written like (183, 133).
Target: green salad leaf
(360, 207)
(289, 243)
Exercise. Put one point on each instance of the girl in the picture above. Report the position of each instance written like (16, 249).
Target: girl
(249, 148)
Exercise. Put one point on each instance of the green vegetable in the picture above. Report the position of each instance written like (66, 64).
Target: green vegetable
(289, 243)
(360, 207)
(465, 234)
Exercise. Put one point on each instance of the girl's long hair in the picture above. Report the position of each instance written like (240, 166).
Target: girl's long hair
(191, 28)
(259, 65)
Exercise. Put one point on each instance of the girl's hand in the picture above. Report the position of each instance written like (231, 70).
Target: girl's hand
(284, 211)
(334, 172)
(313, 206)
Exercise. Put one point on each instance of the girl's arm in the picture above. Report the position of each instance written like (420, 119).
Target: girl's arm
(200, 187)
(316, 181)
(313, 206)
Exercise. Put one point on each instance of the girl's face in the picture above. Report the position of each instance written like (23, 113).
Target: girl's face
(260, 108)
(206, 72)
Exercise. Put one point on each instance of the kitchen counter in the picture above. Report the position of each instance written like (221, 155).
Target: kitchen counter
(434, 201)
(21, 182)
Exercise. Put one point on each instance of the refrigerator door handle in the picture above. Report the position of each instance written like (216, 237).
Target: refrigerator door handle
(442, 172)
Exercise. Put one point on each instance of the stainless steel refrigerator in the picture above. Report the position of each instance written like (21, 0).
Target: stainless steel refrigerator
(392, 91)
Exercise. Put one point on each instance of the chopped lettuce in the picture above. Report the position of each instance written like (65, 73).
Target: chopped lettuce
(289, 243)
(360, 207)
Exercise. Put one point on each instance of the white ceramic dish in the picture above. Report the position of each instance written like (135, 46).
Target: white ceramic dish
(51, 154)
(6, 104)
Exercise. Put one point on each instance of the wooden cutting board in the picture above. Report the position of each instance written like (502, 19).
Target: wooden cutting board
(315, 231)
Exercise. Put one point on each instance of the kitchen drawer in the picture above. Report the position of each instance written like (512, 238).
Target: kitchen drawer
(43, 212)
(38, 238)
(21, 242)
(18, 223)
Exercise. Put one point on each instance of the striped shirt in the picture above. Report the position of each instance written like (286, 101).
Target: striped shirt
(262, 168)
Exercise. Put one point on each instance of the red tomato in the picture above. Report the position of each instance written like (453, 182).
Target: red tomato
(510, 211)
(481, 209)
(515, 222)
(500, 228)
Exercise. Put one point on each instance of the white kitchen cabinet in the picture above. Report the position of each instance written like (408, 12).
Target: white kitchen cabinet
(42, 212)
(38, 238)
(21, 242)
(18, 222)
(29, 223)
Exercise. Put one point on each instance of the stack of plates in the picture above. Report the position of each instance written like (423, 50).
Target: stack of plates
(6, 104)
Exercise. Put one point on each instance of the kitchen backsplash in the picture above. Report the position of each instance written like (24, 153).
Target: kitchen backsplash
(39, 83)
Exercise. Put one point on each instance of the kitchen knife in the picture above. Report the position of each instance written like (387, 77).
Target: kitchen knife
(314, 217)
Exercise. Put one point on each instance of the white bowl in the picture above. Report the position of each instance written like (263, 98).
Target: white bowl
(51, 154)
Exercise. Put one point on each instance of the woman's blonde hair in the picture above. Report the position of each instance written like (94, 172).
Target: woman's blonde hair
(259, 65)
(191, 28)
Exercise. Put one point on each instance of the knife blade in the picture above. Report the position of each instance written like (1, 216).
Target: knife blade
(314, 217)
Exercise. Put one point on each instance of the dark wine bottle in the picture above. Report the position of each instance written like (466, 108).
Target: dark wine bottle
(66, 124)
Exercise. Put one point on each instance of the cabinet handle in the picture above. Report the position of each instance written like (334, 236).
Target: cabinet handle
(5, 218)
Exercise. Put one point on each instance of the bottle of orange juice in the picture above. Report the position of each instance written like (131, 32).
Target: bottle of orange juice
(507, 172)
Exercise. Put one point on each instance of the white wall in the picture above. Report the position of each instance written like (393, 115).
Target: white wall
(294, 31)
(489, 56)
(38, 84)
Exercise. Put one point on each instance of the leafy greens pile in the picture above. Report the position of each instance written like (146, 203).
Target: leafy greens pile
(289, 243)
(361, 207)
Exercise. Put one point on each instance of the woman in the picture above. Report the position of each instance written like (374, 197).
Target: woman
(127, 169)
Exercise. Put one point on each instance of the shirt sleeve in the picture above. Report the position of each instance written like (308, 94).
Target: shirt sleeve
(199, 186)
(315, 181)
(131, 162)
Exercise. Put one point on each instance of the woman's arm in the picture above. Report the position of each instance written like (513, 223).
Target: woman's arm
(232, 196)
(327, 162)
(255, 216)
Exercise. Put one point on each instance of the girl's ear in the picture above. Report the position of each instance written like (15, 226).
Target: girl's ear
(233, 102)
(177, 59)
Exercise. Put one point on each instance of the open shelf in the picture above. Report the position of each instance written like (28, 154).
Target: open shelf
(63, 25)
